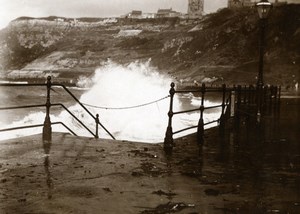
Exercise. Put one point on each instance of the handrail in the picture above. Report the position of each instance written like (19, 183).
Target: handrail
(23, 84)
(70, 93)
(237, 97)
(20, 107)
(208, 89)
(211, 107)
(62, 105)
(193, 127)
(168, 142)
(56, 104)
(21, 127)
(70, 130)
(185, 129)
(214, 121)
(37, 125)
(47, 123)
(186, 111)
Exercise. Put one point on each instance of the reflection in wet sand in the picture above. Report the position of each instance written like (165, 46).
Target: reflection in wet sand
(49, 181)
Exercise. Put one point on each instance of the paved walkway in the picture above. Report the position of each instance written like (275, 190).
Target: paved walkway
(250, 169)
(83, 175)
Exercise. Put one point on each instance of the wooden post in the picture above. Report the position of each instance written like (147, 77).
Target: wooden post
(47, 129)
(200, 131)
(168, 141)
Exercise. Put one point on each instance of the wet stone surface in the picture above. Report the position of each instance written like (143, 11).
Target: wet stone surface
(247, 170)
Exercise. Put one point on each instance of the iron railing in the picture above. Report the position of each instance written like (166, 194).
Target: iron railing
(236, 101)
(47, 129)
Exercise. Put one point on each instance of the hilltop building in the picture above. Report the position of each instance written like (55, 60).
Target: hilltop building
(148, 15)
(240, 3)
(167, 13)
(135, 14)
(195, 9)
(161, 13)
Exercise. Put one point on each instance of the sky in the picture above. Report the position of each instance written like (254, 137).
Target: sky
(12, 9)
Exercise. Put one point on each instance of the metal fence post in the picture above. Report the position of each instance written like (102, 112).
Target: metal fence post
(279, 94)
(245, 94)
(265, 100)
(168, 141)
(200, 131)
(222, 118)
(232, 103)
(259, 100)
(271, 94)
(47, 129)
(97, 125)
(278, 101)
(249, 95)
(238, 104)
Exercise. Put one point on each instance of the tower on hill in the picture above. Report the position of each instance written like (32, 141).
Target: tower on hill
(195, 9)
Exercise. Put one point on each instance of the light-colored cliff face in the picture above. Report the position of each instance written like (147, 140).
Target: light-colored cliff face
(61, 44)
(44, 33)
(36, 24)
(222, 45)
(46, 39)
(176, 43)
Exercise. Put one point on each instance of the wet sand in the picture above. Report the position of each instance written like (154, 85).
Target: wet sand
(247, 170)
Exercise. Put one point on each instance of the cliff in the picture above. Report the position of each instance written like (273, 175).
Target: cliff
(222, 46)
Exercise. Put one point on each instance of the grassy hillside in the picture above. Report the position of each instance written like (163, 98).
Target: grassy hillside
(222, 46)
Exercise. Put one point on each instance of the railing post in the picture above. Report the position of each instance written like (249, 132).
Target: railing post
(245, 94)
(265, 99)
(259, 100)
(200, 131)
(222, 118)
(47, 130)
(249, 95)
(97, 125)
(232, 103)
(275, 94)
(270, 101)
(277, 100)
(168, 141)
(238, 104)
(279, 94)
(271, 94)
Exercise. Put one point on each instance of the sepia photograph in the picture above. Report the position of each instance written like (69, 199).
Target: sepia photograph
(149, 106)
